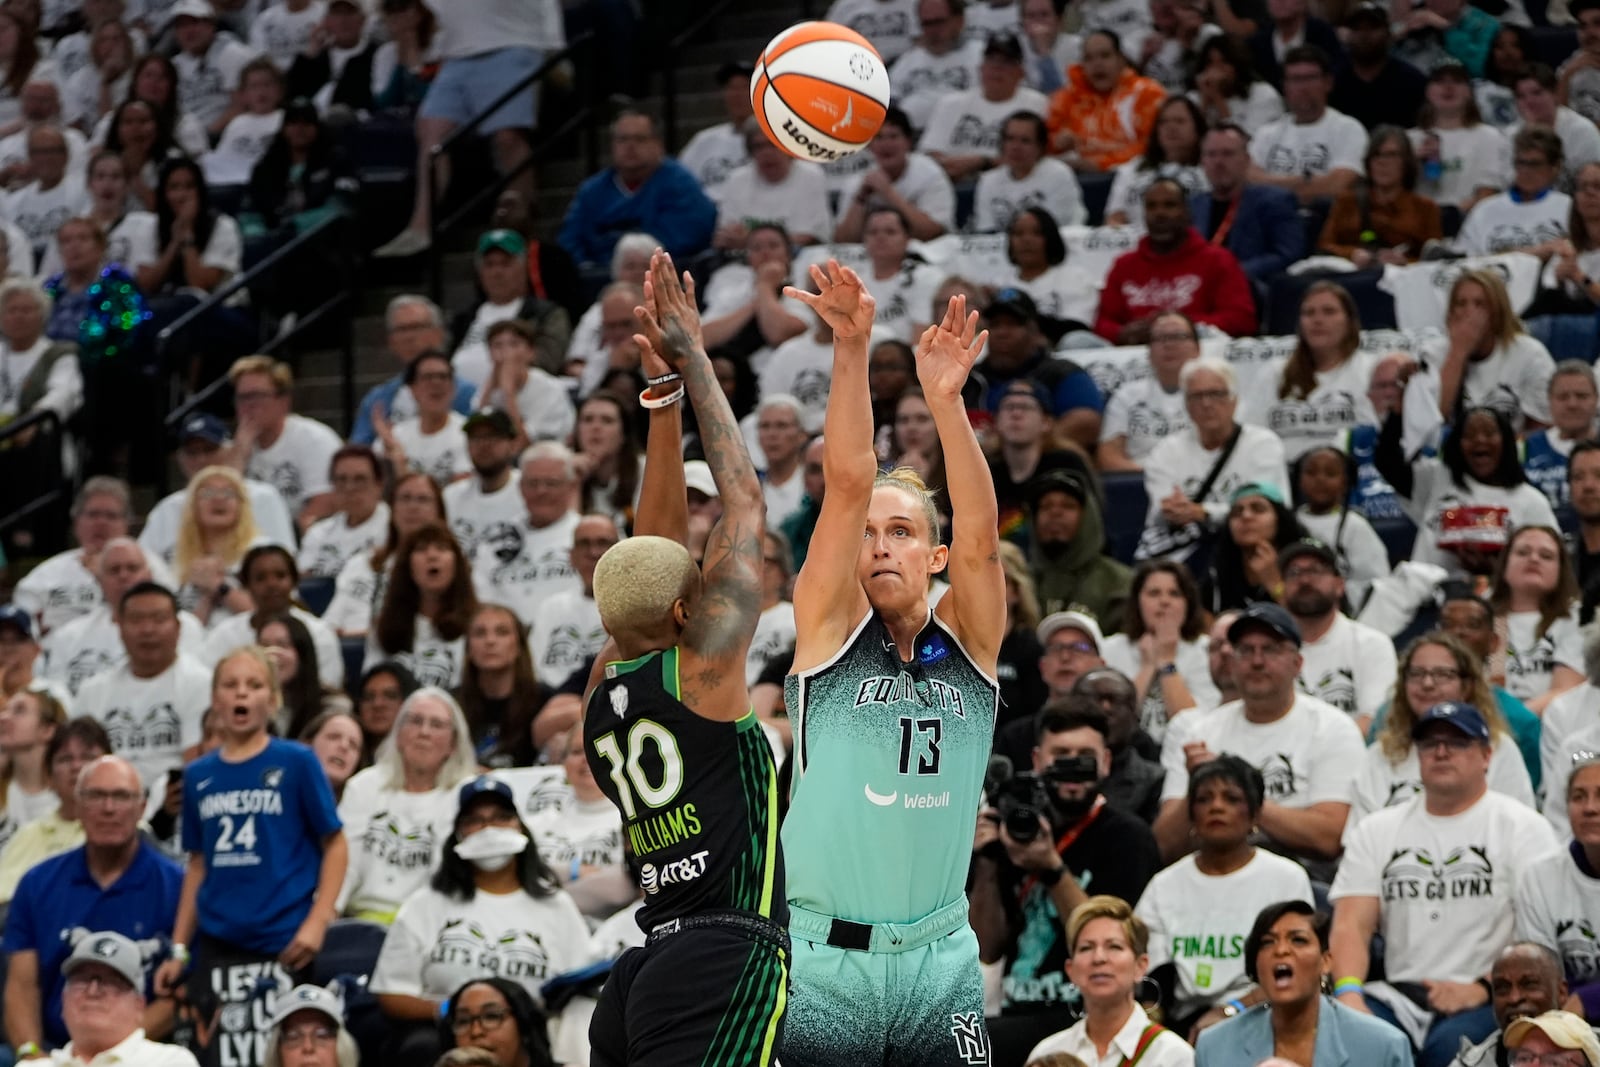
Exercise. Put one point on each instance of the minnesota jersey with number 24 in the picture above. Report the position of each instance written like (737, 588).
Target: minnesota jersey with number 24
(888, 775)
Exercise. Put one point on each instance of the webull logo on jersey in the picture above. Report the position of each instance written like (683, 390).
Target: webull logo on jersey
(652, 878)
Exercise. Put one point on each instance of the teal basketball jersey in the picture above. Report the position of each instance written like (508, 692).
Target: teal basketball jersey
(888, 775)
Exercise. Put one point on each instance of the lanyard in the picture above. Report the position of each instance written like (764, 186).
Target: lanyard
(1067, 840)
(1226, 224)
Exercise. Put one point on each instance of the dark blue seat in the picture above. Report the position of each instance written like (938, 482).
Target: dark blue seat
(316, 593)
(1096, 191)
(1126, 505)
(354, 650)
(1553, 44)
(349, 954)
(1398, 536)
(1285, 290)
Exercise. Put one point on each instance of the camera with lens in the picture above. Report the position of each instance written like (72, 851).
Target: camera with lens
(1021, 798)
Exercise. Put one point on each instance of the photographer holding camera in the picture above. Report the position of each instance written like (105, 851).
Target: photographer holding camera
(1046, 841)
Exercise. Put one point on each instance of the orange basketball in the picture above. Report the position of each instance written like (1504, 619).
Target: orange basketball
(820, 91)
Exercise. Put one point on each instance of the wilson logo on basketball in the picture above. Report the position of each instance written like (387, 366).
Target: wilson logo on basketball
(820, 91)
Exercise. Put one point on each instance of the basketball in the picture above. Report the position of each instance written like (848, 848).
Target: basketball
(820, 91)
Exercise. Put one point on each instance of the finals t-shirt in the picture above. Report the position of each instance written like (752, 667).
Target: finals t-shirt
(258, 825)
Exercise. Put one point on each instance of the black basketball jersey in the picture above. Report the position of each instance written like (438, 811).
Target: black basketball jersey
(699, 798)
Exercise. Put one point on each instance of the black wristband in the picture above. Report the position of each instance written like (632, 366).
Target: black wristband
(674, 376)
(1048, 879)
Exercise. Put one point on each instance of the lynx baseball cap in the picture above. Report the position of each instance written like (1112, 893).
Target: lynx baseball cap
(108, 949)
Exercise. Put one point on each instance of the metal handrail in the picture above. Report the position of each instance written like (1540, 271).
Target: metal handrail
(59, 490)
(669, 69)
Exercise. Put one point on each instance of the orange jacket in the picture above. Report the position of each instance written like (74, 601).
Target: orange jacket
(1110, 129)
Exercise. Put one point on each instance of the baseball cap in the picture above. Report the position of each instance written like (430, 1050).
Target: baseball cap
(109, 949)
(508, 241)
(194, 9)
(1029, 388)
(301, 109)
(1059, 480)
(697, 476)
(1450, 68)
(1263, 614)
(12, 615)
(742, 71)
(309, 998)
(1563, 1028)
(493, 418)
(1266, 489)
(1005, 45)
(1074, 620)
(484, 785)
(1014, 302)
(204, 428)
(1368, 13)
(1464, 717)
(1307, 546)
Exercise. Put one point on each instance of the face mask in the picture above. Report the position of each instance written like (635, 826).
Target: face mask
(492, 848)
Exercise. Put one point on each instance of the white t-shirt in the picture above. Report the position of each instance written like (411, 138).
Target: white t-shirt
(923, 182)
(712, 154)
(1193, 661)
(967, 123)
(206, 83)
(1559, 906)
(473, 511)
(1128, 19)
(1333, 142)
(905, 300)
(131, 242)
(441, 454)
(732, 287)
(63, 385)
(1338, 403)
(919, 78)
(521, 567)
(245, 139)
(436, 944)
(782, 498)
(1199, 922)
(1132, 179)
(1352, 667)
(1572, 715)
(1143, 414)
(236, 630)
(1253, 112)
(471, 360)
(150, 720)
(1304, 757)
(1434, 493)
(396, 838)
(1531, 660)
(298, 463)
(92, 644)
(565, 631)
(1501, 224)
(1513, 378)
(1472, 158)
(160, 534)
(1365, 556)
(543, 402)
(1063, 292)
(23, 808)
(802, 367)
(1380, 784)
(356, 594)
(799, 201)
(61, 588)
(39, 212)
(774, 636)
(332, 542)
(477, 26)
(1051, 185)
(1178, 462)
(1446, 883)
(431, 659)
(282, 34)
(1580, 140)
(14, 149)
(587, 831)
(891, 25)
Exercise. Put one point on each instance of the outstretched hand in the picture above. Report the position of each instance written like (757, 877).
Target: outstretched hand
(669, 319)
(842, 300)
(948, 349)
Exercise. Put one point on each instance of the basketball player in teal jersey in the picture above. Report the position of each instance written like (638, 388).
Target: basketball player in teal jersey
(894, 709)
(672, 740)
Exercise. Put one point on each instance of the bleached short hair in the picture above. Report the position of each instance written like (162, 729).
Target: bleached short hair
(637, 581)
(1220, 367)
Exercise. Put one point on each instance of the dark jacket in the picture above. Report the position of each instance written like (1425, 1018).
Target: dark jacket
(1266, 235)
(1265, 58)
(277, 193)
(1394, 96)
(1134, 784)
(551, 327)
(1080, 576)
(308, 74)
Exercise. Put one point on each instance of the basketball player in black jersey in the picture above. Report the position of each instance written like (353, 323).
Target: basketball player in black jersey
(671, 738)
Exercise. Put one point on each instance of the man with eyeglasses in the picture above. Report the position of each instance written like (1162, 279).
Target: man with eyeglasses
(277, 446)
(1553, 1039)
(1071, 649)
(1532, 215)
(491, 495)
(308, 1029)
(116, 881)
(1304, 748)
(104, 1006)
(523, 562)
(1470, 617)
(1018, 349)
(1436, 876)
(362, 521)
(565, 630)
(1570, 727)
(433, 441)
(413, 325)
(939, 62)
(772, 187)
(1145, 411)
(1345, 663)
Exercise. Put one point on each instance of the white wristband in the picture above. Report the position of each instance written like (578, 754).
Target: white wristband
(645, 399)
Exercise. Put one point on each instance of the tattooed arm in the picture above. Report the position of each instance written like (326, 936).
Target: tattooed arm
(663, 500)
(723, 620)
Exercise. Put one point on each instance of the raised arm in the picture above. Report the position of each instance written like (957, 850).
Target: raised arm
(663, 500)
(828, 599)
(721, 624)
(976, 605)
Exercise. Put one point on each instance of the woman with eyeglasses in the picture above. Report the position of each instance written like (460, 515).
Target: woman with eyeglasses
(1287, 956)
(359, 590)
(498, 1016)
(1532, 215)
(492, 904)
(217, 529)
(1383, 221)
(1434, 668)
(308, 1031)
(399, 810)
(1558, 900)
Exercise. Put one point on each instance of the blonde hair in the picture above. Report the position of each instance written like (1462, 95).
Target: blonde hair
(191, 542)
(637, 581)
(282, 377)
(1504, 323)
(52, 713)
(259, 654)
(1015, 564)
(1105, 906)
(907, 480)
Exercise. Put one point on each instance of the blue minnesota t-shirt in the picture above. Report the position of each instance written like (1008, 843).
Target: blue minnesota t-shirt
(259, 825)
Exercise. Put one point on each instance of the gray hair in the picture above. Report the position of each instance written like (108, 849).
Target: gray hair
(631, 244)
(26, 287)
(1220, 367)
(785, 401)
(103, 761)
(346, 1052)
(461, 764)
(116, 542)
(552, 450)
(412, 300)
(100, 484)
(1572, 368)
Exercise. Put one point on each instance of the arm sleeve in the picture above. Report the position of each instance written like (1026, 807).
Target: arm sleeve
(63, 392)
(938, 200)
(1379, 669)
(983, 219)
(399, 966)
(1069, 200)
(193, 829)
(1358, 872)
(1113, 313)
(577, 226)
(225, 250)
(936, 136)
(322, 815)
(1160, 942)
(1338, 749)
(1114, 420)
